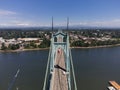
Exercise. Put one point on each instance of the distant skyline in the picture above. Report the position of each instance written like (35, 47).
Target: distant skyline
(100, 13)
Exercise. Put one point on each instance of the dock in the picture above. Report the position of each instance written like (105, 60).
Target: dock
(115, 85)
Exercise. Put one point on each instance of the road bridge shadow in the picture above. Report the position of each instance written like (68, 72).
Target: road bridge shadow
(57, 66)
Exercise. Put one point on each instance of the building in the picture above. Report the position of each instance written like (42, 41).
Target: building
(29, 39)
(1, 41)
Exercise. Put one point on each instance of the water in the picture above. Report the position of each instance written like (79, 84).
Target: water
(32, 69)
(93, 68)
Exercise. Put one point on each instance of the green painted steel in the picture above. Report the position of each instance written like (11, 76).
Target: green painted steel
(60, 40)
(45, 81)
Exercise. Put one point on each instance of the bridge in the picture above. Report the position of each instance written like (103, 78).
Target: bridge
(60, 71)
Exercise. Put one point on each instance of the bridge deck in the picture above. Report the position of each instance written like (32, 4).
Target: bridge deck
(59, 79)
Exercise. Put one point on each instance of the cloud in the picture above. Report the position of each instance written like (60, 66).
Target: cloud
(10, 18)
(6, 12)
(20, 23)
(110, 23)
(15, 23)
(105, 23)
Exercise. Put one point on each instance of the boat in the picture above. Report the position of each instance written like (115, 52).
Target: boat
(111, 88)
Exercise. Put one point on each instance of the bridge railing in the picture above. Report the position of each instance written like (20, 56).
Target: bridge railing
(47, 73)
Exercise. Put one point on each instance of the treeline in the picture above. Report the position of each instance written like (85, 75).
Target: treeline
(32, 45)
(81, 43)
(44, 44)
(97, 33)
(10, 47)
(9, 34)
(40, 33)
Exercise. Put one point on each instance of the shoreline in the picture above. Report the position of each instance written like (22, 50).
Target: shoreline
(23, 50)
(104, 46)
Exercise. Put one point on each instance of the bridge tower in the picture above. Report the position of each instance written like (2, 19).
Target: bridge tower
(60, 43)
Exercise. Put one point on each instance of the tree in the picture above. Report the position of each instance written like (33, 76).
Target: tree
(13, 46)
(33, 45)
(27, 46)
(45, 43)
(3, 47)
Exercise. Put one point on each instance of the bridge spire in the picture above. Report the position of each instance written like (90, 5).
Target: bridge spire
(67, 23)
(52, 24)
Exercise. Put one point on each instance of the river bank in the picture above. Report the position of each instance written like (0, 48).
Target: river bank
(104, 46)
(21, 50)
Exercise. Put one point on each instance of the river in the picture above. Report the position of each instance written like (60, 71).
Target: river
(93, 68)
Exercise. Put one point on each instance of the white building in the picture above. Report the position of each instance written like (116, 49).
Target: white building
(10, 41)
(2, 40)
(28, 39)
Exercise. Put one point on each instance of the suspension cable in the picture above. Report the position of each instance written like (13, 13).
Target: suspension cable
(44, 87)
(73, 71)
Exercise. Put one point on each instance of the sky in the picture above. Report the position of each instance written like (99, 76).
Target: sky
(102, 13)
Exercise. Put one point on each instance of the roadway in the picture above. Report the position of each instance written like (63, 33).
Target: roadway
(59, 79)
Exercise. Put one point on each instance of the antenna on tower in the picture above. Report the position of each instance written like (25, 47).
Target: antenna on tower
(67, 23)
